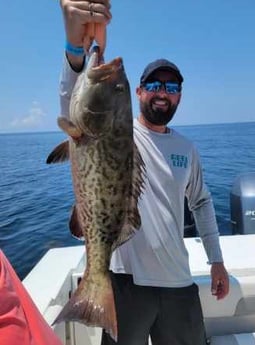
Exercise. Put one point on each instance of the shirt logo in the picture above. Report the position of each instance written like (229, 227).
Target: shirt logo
(179, 161)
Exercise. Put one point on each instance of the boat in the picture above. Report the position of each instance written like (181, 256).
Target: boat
(230, 321)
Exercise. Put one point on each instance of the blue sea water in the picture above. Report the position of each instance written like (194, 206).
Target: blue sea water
(36, 199)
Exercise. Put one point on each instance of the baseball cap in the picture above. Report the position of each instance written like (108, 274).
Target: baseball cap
(160, 64)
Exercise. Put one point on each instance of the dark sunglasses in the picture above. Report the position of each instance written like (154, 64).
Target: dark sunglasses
(156, 86)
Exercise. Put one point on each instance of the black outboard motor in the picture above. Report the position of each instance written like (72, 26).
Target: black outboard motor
(242, 204)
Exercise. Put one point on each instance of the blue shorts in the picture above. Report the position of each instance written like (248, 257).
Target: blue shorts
(170, 316)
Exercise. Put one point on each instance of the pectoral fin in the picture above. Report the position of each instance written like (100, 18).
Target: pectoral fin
(68, 127)
(60, 154)
(74, 225)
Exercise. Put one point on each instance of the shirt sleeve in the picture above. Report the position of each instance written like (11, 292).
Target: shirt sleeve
(68, 79)
(201, 205)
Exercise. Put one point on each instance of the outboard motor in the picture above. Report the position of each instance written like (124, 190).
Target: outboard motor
(189, 222)
(242, 204)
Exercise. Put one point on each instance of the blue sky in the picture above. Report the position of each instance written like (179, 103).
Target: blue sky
(212, 42)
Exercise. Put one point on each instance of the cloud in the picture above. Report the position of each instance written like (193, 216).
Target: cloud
(33, 120)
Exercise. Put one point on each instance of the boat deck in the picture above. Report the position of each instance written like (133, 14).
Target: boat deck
(57, 273)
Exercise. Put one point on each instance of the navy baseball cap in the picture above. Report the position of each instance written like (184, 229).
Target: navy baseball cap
(160, 64)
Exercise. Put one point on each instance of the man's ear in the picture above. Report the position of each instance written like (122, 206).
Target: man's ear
(138, 91)
(179, 99)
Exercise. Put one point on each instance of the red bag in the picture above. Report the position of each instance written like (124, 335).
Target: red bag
(20, 321)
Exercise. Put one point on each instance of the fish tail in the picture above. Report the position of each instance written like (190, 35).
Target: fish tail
(92, 304)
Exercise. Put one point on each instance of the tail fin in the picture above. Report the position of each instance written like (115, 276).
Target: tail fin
(92, 304)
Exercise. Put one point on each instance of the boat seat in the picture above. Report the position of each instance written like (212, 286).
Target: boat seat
(234, 339)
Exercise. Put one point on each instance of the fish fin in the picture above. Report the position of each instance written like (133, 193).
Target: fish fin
(75, 226)
(68, 127)
(133, 219)
(138, 178)
(92, 304)
(126, 233)
(59, 154)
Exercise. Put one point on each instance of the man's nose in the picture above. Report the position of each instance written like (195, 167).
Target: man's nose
(162, 90)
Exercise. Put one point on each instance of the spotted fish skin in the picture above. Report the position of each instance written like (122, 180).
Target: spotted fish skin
(108, 174)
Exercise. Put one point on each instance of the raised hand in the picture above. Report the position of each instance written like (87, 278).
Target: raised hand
(85, 21)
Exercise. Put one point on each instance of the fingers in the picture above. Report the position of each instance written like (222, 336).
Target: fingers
(95, 32)
(89, 31)
(100, 36)
(86, 21)
(220, 289)
(86, 11)
(106, 3)
(220, 281)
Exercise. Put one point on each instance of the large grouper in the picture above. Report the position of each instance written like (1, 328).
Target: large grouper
(108, 175)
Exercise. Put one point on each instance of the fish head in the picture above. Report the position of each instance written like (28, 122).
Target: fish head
(100, 97)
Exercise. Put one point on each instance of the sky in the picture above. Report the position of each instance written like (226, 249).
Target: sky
(212, 42)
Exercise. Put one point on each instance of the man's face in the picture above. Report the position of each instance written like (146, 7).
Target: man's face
(159, 107)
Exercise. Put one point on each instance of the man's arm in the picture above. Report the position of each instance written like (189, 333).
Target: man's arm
(84, 21)
(67, 81)
(201, 205)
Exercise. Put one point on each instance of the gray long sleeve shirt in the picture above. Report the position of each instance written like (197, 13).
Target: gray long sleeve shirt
(156, 255)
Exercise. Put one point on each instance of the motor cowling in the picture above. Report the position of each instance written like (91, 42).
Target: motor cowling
(189, 222)
(242, 204)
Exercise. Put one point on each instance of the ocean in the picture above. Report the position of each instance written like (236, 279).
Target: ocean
(36, 199)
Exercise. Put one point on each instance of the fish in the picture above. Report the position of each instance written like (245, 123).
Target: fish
(108, 176)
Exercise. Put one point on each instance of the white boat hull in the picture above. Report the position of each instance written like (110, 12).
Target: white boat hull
(230, 321)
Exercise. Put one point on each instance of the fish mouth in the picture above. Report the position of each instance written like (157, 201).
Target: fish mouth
(94, 58)
(98, 71)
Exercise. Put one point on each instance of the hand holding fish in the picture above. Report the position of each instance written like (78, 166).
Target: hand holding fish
(85, 21)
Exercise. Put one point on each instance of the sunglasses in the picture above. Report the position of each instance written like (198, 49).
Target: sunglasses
(156, 86)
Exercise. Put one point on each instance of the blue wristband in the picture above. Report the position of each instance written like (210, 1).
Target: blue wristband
(77, 51)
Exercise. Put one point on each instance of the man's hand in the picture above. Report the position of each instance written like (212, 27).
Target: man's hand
(220, 280)
(86, 21)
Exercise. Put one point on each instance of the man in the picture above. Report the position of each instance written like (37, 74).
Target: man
(153, 287)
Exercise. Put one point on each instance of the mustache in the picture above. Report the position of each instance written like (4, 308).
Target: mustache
(157, 98)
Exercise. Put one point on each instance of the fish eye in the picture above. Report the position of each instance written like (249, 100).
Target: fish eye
(119, 87)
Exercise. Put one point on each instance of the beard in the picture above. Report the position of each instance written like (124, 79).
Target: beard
(155, 115)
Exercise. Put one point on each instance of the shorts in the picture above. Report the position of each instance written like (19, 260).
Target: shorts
(170, 316)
